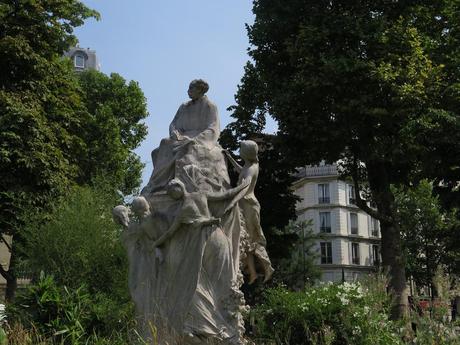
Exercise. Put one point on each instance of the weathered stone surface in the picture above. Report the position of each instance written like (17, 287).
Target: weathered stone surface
(184, 237)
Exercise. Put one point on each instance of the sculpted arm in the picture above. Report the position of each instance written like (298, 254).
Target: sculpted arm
(228, 194)
(170, 232)
(233, 161)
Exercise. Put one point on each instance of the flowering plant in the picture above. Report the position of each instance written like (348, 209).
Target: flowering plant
(348, 313)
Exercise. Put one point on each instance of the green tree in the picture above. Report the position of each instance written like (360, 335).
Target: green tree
(57, 128)
(300, 268)
(427, 233)
(40, 109)
(371, 83)
(113, 129)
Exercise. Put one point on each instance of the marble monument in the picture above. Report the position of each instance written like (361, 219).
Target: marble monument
(191, 233)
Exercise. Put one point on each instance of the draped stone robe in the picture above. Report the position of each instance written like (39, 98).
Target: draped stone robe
(194, 288)
(199, 121)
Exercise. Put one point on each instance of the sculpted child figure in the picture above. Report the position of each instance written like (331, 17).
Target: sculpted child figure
(250, 208)
(195, 209)
(135, 237)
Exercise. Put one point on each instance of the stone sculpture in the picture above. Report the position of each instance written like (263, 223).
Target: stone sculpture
(250, 209)
(189, 231)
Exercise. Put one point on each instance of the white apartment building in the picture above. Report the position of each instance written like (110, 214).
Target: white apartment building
(350, 239)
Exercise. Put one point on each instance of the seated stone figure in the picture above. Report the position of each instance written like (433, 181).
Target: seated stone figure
(191, 146)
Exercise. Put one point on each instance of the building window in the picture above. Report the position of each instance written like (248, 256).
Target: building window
(354, 223)
(79, 61)
(374, 227)
(323, 193)
(355, 254)
(325, 222)
(351, 195)
(376, 255)
(326, 252)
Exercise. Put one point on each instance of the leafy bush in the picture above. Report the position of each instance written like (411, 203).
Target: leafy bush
(79, 243)
(348, 313)
(432, 325)
(54, 311)
(64, 316)
(432, 331)
(79, 246)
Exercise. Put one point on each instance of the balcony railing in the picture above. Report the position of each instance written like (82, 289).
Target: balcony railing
(324, 200)
(326, 260)
(325, 170)
(326, 229)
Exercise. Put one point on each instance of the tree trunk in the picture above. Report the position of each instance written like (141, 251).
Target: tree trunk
(11, 287)
(11, 279)
(393, 260)
(394, 263)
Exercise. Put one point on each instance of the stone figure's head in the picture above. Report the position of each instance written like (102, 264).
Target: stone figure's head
(176, 189)
(120, 215)
(140, 207)
(249, 150)
(197, 89)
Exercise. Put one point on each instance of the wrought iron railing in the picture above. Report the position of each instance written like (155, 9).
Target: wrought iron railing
(324, 200)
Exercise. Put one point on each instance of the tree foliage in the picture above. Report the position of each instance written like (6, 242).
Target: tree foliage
(428, 233)
(57, 128)
(39, 106)
(113, 129)
(300, 268)
(371, 83)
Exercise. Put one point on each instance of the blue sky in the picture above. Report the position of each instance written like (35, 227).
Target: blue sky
(164, 45)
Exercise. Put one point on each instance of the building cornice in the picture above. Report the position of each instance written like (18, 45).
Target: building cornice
(351, 267)
(325, 206)
(305, 180)
(352, 238)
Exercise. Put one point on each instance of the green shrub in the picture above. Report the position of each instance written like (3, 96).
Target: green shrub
(79, 243)
(79, 246)
(66, 316)
(54, 311)
(328, 314)
(434, 332)
(3, 338)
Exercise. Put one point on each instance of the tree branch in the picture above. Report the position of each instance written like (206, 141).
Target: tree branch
(6, 274)
(361, 203)
(2, 238)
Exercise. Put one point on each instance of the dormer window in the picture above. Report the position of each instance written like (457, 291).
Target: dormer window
(79, 61)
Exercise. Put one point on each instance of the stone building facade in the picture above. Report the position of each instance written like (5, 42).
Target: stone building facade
(350, 239)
